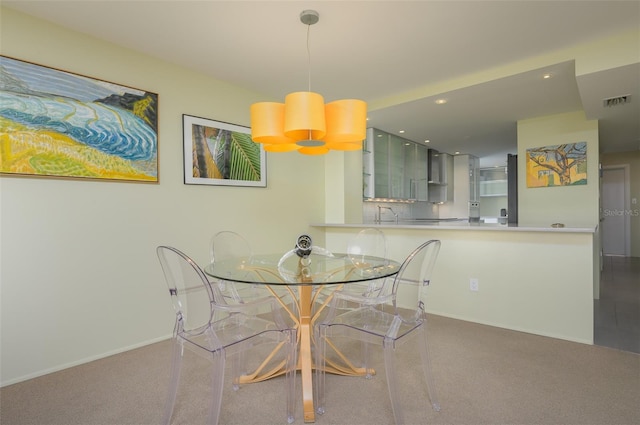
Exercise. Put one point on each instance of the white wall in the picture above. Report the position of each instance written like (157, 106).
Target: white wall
(572, 205)
(79, 276)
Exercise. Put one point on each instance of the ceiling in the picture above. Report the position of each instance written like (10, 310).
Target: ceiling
(486, 58)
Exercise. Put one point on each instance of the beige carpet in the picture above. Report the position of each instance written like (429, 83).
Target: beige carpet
(484, 375)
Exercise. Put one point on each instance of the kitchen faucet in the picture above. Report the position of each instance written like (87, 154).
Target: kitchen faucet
(379, 217)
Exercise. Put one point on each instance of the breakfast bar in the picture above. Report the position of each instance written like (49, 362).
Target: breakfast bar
(525, 276)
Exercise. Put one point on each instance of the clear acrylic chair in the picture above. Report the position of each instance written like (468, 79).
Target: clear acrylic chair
(367, 242)
(251, 343)
(373, 325)
(226, 245)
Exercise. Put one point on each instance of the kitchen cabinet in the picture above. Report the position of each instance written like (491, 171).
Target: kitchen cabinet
(493, 182)
(368, 188)
(421, 170)
(493, 191)
(465, 187)
(376, 165)
(474, 178)
(415, 183)
(394, 167)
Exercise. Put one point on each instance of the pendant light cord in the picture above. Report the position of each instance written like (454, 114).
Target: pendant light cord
(308, 57)
(309, 67)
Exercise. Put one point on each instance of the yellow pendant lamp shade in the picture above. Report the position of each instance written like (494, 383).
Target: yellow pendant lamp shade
(313, 150)
(304, 116)
(346, 121)
(281, 147)
(267, 123)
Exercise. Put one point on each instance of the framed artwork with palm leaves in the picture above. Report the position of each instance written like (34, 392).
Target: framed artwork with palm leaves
(219, 153)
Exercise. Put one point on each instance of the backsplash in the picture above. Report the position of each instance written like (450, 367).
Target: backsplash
(404, 210)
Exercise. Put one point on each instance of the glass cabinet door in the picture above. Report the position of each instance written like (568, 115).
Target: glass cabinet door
(368, 167)
(410, 163)
(381, 164)
(396, 167)
(415, 171)
(421, 173)
(474, 178)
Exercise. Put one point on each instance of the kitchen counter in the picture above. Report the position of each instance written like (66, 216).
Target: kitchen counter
(532, 278)
(458, 224)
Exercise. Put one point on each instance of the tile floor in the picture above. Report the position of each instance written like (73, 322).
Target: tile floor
(617, 312)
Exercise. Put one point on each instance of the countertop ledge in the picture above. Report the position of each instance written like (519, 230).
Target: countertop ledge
(463, 225)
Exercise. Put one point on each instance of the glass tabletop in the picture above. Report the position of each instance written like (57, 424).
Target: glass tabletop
(290, 269)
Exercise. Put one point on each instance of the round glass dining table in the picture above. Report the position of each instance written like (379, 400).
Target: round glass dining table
(306, 273)
(319, 268)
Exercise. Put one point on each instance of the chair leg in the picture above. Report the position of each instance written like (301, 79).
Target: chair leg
(366, 358)
(290, 377)
(174, 380)
(365, 347)
(238, 369)
(320, 360)
(426, 368)
(218, 359)
(392, 380)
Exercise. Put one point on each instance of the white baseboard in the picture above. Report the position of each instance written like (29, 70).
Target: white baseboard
(82, 361)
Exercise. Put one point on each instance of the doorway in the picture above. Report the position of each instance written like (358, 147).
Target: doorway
(617, 309)
(615, 215)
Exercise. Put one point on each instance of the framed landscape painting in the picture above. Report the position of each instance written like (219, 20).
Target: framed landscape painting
(558, 165)
(55, 123)
(219, 153)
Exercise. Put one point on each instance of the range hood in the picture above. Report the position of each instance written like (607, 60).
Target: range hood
(440, 165)
(434, 169)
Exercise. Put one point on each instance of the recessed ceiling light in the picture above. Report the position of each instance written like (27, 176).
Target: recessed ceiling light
(441, 101)
(547, 76)
(457, 153)
(401, 131)
(427, 141)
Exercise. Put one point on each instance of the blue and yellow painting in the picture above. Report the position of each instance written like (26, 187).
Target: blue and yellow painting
(59, 124)
(559, 165)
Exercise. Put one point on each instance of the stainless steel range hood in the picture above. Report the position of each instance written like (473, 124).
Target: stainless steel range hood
(440, 166)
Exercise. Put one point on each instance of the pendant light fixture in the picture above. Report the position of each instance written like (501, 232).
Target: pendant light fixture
(304, 123)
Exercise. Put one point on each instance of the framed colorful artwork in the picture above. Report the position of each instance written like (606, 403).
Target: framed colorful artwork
(559, 165)
(55, 123)
(219, 153)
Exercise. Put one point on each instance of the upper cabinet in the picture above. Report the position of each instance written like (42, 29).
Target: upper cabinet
(493, 182)
(394, 168)
(474, 178)
(415, 171)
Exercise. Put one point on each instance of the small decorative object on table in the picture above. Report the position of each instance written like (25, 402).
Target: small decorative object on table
(303, 246)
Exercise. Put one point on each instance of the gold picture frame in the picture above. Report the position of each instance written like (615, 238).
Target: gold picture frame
(55, 123)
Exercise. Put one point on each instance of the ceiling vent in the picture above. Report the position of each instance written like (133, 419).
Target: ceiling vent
(616, 101)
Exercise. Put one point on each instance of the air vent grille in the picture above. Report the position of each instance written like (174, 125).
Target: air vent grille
(616, 101)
